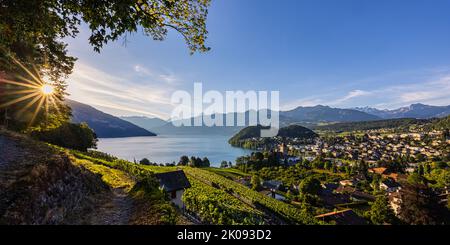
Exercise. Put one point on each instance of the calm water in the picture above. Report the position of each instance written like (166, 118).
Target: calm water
(167, 149)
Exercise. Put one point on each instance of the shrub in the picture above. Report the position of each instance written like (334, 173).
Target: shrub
(69, 135)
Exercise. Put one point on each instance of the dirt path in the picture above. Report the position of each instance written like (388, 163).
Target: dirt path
(8, 150)
(29, 169)
(115, 211)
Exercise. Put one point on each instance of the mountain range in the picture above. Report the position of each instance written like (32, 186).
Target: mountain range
(148, 123)
(104, 125)
(306, 116)
(107, 125)
(320, 113)
(419, 111)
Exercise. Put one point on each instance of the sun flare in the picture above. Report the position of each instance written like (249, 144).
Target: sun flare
(47, 89)
(34, 93)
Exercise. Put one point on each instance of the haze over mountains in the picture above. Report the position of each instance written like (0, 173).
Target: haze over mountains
(418, 110)
(145, 122)
(107, 125)
(104, 125)
(322, 113)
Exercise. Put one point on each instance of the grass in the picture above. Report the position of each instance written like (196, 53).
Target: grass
(112, 177)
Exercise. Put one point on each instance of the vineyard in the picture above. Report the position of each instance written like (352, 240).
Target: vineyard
(284, 210)
(214, 198)
(215, 206)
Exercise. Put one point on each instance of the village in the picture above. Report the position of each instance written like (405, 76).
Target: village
(367, 165)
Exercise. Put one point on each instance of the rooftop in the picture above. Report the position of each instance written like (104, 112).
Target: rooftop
(173, 181)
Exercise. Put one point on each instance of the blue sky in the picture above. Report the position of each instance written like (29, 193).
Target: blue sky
(345, 53)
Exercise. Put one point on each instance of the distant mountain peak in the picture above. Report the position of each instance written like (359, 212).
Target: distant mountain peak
(321, 113)
(416, 110)
(104, 125)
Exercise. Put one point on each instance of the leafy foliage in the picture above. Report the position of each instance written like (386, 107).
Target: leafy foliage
(420, 206)
(32, 32)
(403, 123)
(310, 185)
(293, 131)
(69, 135)
(380, 213)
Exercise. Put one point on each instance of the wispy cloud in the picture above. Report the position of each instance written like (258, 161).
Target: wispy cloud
(350, 95)
(430, 86)
(434, 91)
(126, 95)
(142, 70)
(167, 77)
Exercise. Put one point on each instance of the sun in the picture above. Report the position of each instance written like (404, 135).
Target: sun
(33, 92)
(47, 89)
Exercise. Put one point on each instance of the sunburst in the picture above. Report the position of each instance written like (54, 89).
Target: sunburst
(35, 91)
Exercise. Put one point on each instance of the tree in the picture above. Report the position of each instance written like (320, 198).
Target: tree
(376, 178)
(258, 156)
(440, 165)
(144, 161)
(420, 206)
(255, 182)
(426, 168)
(224, 164)
(420, 170)
(192, 161)
(205, 162)
(74, 136)
(184, 161)
(32, 33)
(380, 212)
(415, 179)
(448, 204)
(310, 185)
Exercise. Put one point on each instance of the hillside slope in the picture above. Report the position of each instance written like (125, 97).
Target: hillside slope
(145, 122)
(104, 125)
(413, 111)
(39, 185)
(325, 114)
(42, 184)
(292, 131)
(401, 123)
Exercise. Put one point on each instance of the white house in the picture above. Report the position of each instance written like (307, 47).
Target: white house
(174, 183)
(389, 185)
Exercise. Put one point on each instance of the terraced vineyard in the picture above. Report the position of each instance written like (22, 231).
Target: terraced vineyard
(286, 211)
(216, 199)
(215, 206)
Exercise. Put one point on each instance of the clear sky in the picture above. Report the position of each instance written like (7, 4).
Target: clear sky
(341, 53)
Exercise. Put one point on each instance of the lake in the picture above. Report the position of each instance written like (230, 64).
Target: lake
(168, 149)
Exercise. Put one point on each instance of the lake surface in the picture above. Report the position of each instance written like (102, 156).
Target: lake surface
(168, 149)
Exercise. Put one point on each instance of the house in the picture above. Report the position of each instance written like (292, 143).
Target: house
(354, 194)
(343, 217)
(377, 170)
(283, 149)
(273, 194)
(389, 185)
(330, 186)
(174, 183)
(273, 185)
(346, 182)
(395, 201)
